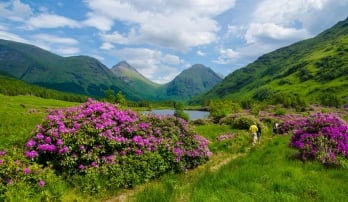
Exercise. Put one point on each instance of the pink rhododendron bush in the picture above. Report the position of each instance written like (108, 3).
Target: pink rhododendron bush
(99, 139)
(323, 137)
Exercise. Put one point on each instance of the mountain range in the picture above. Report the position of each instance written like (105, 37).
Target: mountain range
(310, 69)
(86, 75)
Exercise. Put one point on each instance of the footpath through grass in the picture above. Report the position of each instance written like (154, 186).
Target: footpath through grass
(267, 172)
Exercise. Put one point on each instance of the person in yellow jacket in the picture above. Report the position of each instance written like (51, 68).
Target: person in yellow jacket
(253, 129)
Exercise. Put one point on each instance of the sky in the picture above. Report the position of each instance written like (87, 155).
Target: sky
(161, 38)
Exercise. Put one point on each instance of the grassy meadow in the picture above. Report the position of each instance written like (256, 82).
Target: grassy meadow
(20, 114)
(237, 171)
(267, 172)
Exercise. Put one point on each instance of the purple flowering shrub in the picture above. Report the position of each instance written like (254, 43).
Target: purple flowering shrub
(17, 171)
(290, 125)
(100, 136)
(323, 137)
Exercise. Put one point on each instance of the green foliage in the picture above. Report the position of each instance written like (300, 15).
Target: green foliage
(263, 94)
(179, 111)
(12, 87)
(247, 103)
(22, 180)
(239, 121)
(200, 122)
(110, 96)
(221, 108)
(290, 100)
(331, 67)
(330, 100)
(255, 109)
(279, 111)
(182, 114)
(120, 98)
(243, 122)
(304, 74)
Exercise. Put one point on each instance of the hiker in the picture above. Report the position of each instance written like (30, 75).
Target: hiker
(253, 129)
(275, 128)
(259, 132)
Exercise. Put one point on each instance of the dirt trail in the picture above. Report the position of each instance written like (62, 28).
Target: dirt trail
(214, 164)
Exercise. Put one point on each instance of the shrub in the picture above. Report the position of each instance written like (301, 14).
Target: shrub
(182, 114)
(200, 122)
(280, 111)
(21, 179)
(221, 108)
(102, 137)
(255, 109)
(322, 137)
(330, 100)
(239, 121)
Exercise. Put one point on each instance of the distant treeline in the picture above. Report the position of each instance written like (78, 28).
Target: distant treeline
(12, 87)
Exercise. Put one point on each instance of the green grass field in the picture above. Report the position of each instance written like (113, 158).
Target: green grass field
(20, 114)
(267, 172)
(236, 172)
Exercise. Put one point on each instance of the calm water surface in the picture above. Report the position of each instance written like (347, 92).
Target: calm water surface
(194, 114)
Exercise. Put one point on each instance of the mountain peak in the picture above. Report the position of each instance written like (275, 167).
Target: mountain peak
(125, 65)
(192, 81)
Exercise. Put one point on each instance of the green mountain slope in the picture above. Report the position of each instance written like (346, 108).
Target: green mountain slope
(129, 75)
(77, 74)
(12, 86)
(309, 69)
(193, 81)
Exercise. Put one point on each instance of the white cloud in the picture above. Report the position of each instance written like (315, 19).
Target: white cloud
(100, 58)
(114, 37)
(178, 25)
(52, 39)
(99, 21)
(200, 53)
(311, 15)
(11, 37)
(235, 31)
(171, 59)
(274, 24)
(15, 10)
(106, 46)
(151, 63)
(60, 45)
(227, 56)
(51, 21)
(273, 33)
(286, 11)
(67, 51)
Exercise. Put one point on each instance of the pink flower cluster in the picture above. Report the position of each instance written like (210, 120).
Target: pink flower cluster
(96, 133)
(323, 137)
(224, 137)
(15, 169)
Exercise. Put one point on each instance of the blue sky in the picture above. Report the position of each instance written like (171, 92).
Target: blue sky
(161, 38)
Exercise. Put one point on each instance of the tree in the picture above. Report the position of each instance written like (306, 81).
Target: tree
(179, 111)
(120, 98)
(109, 96)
